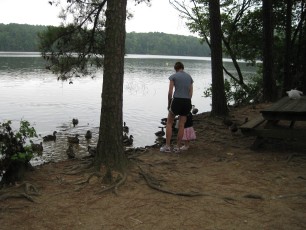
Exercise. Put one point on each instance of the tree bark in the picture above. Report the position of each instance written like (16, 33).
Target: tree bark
(269, 83)
(219, 104)
(287, 84)
(110, 145)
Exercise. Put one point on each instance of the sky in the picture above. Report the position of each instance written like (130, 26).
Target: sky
(160, 17)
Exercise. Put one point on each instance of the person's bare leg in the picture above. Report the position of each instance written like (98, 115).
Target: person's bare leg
(170, 121)
(180, 134)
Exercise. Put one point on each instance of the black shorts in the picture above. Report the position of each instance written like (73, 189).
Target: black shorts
(180, 106)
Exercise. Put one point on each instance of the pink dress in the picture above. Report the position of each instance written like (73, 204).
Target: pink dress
(189, 134)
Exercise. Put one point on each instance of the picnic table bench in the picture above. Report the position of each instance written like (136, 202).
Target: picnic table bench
(267, 124)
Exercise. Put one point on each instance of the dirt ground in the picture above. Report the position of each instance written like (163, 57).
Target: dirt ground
(219, 183)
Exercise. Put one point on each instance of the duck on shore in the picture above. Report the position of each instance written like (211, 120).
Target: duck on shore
(92, 151)
(128, 141)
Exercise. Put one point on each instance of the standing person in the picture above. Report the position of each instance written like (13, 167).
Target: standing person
(179, 103)
(189, 133)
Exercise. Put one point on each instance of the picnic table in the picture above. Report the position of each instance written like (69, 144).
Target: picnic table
(278, 121)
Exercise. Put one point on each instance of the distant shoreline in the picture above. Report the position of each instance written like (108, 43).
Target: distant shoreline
(140, 56)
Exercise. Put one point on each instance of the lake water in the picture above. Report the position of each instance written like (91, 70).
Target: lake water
(30, 92)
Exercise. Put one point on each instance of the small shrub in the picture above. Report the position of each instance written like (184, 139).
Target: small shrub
(15, 154)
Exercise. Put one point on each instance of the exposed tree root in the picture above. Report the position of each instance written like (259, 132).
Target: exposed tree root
(97, 174)
(25, 190)
(291, 195)
(79, 168)
(114, 186)
(253, 196)
(154, 184)
(16, 195)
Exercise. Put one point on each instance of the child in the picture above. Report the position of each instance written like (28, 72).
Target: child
(189, 133)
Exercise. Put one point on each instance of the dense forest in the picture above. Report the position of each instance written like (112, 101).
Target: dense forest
(23, 37)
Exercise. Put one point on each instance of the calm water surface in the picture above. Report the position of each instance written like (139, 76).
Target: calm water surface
(30, 92)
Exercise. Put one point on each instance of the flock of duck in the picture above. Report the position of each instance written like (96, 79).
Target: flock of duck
(71, 140)
(161, 133)
(127, 139)
(74, 140)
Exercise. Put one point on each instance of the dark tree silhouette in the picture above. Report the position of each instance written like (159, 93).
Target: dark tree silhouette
(219, 106)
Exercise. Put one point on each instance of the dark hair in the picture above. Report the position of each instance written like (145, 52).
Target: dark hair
(178, 65)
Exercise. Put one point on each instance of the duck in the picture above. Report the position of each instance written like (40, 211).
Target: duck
(74, 140)
(50, 137)
(160, 133)
(88, 135)
(128, 141)
(37, 148)
(160, 140)
(125, 136)
(75, 121)
(194, 110)
(70, 152)
(125, 128)
(92, 151)
(164, 121)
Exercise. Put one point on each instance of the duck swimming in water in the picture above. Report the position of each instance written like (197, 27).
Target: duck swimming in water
(125, 128)
(194, 110)
(160, 133)
(50, 137)
(37, 148)
(75, 121)
(70, 152)
(88, 135)
(74, 140)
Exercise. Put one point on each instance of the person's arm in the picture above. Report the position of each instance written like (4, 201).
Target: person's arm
(170, 92)
(191, 90)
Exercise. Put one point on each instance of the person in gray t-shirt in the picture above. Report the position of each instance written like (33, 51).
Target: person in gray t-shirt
(179, 103)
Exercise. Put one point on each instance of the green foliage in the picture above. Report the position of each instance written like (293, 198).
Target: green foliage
(242, 34)
(238, 95)
(69, 50)
(14, 148)
(165, 44)
(19, 37)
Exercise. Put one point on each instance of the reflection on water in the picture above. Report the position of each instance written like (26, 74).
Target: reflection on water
(29, 92)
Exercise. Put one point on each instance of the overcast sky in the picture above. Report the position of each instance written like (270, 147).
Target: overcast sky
(160, 17)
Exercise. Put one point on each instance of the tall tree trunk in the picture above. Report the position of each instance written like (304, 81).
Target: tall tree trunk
(110, 145)
(301, 44)
(269, 83)
(287, 84)
(219, 105)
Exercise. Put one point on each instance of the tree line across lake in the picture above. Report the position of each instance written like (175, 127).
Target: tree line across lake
(23, 38)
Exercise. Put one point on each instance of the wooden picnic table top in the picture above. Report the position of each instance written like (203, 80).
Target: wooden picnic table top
(286, 109)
